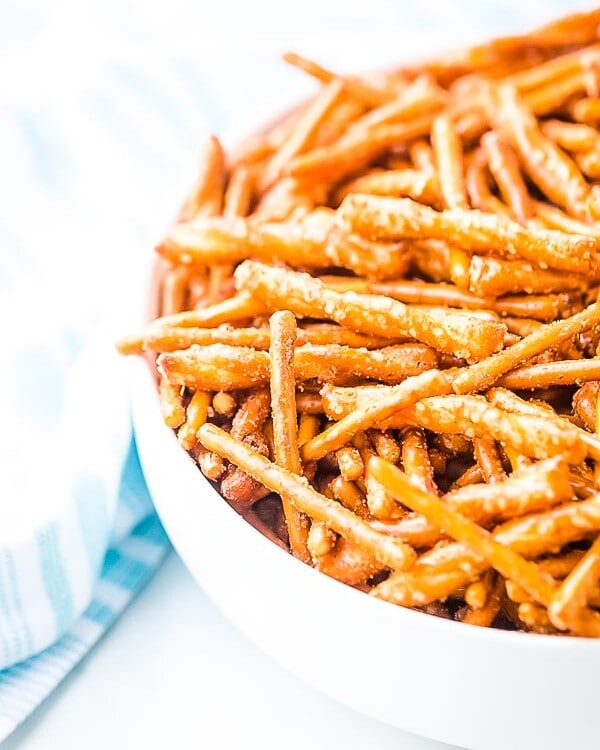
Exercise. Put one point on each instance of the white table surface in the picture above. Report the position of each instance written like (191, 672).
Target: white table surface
(174, 673)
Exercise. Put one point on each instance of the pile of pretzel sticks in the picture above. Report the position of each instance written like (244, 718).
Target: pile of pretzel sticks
(378, 330)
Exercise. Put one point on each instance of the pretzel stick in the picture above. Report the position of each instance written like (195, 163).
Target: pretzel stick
(478, 186)
(483, 374)
(484, 615)
(285, 425)
(494, 277)
(397, 218)
(349, 496)
(375, 411)
(387, 551)
(356, 149)
(508, 401)
(196, 414)
(232, 239)
(416, 184)
(448, 155)
(168, 339)
(207, 194)
(504, 166)
(305, 132)
(570, 136)
(238, 195)
(586, 110)
(444, 569)
(350, 463)
(386, 446)
(534, 436)
(536, 488)
(415, 460)
(349, 563)
(360, 88)
(174, 288)
(499, 556)
(219, 367)
(585, 403)
(550, 169)
(571, 598)
(488, 460)
(567, 372)
(306, 296)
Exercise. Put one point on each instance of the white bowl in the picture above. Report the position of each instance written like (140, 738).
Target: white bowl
(475, 687)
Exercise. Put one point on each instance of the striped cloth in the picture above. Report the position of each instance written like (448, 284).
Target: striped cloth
(102, 104)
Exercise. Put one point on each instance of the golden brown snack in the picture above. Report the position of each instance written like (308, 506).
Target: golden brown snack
(441, 221)
(379, 316)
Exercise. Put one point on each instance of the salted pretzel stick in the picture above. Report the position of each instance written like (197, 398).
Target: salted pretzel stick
(556, 219)
(307, 296)
(509, 401)
(422, 156)
(444, 569)
(375, 260)
(564, 372)
(569, 135)
(173, 292)
(586, 110)
(483, 374)
(494, 277)
(167, 339)
(475, 231)
(417, 98)
(305, 132)
(288, 199)
(415, 460)
(357, 149)
(488, 459)
(171, 403)
(504, 166)
(232, 239)
(219, 367)
(285, 421)
(238, 307)
(349, 496)
(207, 195)
(386, 446)
(477, 181)
(589, 163)
(471, 416)
(379, 502)
(572, 596)
(387, 551)
(375, 411)
(413, 183)
(196, 414)
(238, 195)
(349, 563)
(555, 68)
(448, 155)
(585, 403)
(492, 588)
(350, 463)
(370, 94)
(548, 167)
(501, 557)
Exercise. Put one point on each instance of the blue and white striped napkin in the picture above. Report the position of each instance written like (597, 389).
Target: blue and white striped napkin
(103, 104)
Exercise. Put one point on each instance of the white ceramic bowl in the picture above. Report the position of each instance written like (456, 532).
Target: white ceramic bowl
(474, 687)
